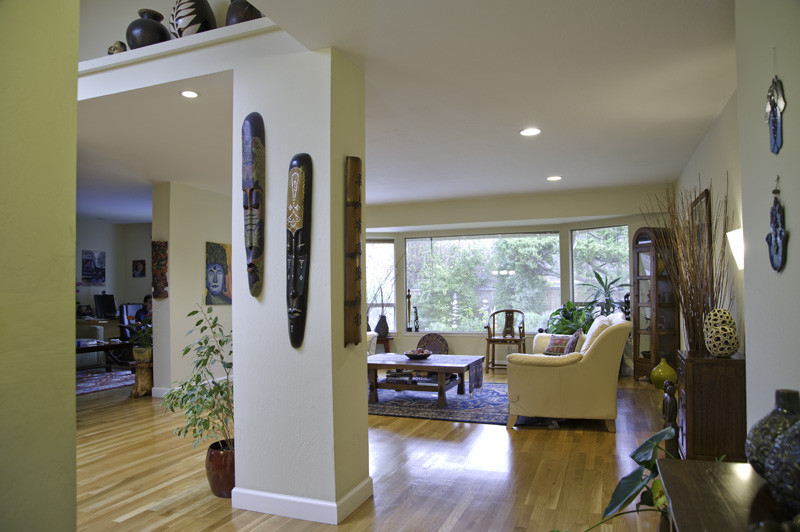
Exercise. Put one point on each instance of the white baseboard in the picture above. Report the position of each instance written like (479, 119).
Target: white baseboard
(159, 392)
(316, 510)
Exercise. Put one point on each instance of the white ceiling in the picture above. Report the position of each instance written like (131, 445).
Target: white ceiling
(623, 91)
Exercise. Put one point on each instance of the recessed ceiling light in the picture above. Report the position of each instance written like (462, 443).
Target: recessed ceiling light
(554, 178)
(189, 94)
(530, 132)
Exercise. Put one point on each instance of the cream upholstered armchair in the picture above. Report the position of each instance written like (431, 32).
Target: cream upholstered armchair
(372, 342)
(578, 385)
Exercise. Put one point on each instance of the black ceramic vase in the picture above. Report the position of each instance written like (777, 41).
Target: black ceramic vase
(382, 327)
(146, 30)
(782, 469)
(191, 16)
(764, 432)
(241, 11)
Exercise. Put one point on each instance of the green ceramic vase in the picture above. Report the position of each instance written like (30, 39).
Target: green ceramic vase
(663, 372)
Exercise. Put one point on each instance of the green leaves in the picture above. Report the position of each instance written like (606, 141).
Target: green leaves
(207, 401)
(569, 318)
(642, 479)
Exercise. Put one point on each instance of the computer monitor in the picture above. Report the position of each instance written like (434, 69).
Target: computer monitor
(105, 306)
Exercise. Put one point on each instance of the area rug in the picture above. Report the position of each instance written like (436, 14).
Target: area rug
(489, 404)
(95, 380)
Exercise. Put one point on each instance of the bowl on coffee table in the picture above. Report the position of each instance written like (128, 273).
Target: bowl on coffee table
(418, 354)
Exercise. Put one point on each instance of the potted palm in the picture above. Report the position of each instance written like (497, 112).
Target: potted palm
(603, 292)
(207, 401)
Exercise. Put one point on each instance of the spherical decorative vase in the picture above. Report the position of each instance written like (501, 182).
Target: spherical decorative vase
(719, 317)
(146, 30)
(662, 372)
(220, 469)
(382, 327)
(722, 341)
(782, 469)
(241, 11)
(191, 16)
(763, 433)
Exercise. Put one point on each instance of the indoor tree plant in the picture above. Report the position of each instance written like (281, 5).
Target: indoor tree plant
(603, 293)
(207, 401)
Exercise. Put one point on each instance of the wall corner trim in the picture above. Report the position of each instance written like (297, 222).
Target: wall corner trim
(316, 510)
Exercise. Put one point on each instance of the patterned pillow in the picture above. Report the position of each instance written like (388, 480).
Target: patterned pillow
(572, 344)
(558, 342)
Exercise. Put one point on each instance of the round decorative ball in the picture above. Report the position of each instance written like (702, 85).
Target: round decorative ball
(782, 469)
(722, 341)
(719, 317)
(764, 432)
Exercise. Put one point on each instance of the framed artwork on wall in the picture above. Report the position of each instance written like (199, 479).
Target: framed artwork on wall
(159, 269)
(93, 267)
(139, 268)
(218, 279)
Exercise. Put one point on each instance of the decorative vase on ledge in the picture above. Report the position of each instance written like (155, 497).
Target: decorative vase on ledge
(241, 11)
(191, 16)
(146, 30)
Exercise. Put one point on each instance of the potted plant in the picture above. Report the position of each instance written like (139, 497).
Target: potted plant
(207, 401)
(142, 339)
(570, 317)
(603, 293)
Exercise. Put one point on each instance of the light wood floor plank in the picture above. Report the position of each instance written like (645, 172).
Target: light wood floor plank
(134, 474)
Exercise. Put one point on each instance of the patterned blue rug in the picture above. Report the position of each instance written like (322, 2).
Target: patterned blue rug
(488, 404)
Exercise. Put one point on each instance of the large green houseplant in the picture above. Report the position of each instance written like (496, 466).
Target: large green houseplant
(570, 317)
(207, 401)
(603, 292)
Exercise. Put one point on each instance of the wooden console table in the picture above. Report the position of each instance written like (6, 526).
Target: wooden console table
(384, 341)
(109, 348)
(707, 496)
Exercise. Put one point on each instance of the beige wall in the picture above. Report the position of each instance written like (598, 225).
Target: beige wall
(37, 208)
(768, 43)
(195, 217)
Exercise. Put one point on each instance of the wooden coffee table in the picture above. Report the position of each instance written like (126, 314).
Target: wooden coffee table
(444, 365)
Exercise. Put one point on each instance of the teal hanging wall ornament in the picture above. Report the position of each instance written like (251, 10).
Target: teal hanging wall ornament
(774, 115)
(777, 236)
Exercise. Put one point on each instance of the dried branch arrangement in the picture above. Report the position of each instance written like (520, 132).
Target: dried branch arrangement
(693, 248)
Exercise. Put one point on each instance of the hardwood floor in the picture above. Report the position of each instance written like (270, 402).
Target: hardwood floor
(134, 474)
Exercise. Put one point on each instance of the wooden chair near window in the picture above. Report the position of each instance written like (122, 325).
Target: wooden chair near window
(505, 327)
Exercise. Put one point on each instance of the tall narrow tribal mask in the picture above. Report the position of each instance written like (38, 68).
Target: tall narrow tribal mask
(253, 170)
(298, 245)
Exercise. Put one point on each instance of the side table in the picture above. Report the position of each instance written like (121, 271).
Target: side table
(384, 341)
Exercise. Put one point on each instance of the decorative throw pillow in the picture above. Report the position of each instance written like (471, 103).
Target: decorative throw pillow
(600, 324)
(558, 342)
(572, 344)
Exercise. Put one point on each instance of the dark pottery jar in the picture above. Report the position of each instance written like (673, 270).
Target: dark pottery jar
(782, 469)
(220, 468)
(191, 16)
(382, 327)
(241, 11)
(146, 30)
(763, 433)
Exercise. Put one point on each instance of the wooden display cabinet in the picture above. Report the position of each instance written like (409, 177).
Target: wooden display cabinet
(653, 307)
(712, 417)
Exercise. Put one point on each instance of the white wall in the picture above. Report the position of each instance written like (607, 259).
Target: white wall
(195, 217)
(715, 164)
(768, 43)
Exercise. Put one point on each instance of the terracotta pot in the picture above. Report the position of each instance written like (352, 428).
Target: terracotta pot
(220, 469)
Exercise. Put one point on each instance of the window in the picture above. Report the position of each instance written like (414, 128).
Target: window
(456, 282)
(604, 250)
(381, 275)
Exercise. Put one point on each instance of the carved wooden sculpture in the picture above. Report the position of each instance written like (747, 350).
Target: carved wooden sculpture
(253, 170)
(298, 245)
(352, 251)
